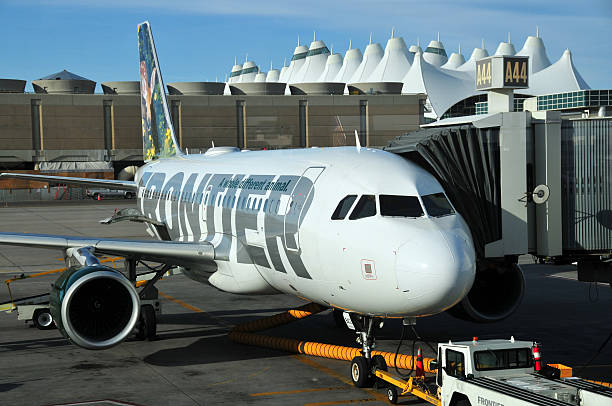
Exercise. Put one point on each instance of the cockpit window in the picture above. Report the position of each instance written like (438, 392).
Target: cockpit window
(365, 207)
(343, 207)
(437, 205)
(400, 206)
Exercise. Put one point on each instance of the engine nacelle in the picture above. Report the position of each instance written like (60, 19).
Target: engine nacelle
(496, 293)
(95, 306)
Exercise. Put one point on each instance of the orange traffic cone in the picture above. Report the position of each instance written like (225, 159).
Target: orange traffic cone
(536, 356)
(99, 198)
(419, 371)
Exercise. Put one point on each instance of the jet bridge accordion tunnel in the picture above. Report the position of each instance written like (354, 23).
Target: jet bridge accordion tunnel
(526, 183)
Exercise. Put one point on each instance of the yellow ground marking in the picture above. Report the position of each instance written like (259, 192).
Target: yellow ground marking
(291, 392)
(340, 377)
(180, 302)
(342, 402)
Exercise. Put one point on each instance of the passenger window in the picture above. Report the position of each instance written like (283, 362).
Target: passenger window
(437, 205)
(343, 207)
(366, 207)
(455, 364)
(400, 206)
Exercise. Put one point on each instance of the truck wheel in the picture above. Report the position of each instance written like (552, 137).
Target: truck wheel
(392, 395)
(360, 372)
(128, 195)
(42, 319)
(147, 329)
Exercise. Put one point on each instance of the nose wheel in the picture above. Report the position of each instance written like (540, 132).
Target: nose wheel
(363, 366)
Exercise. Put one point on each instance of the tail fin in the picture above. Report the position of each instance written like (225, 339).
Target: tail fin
(158, 139)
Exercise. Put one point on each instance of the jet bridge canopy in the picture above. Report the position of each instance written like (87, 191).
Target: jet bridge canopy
(524, 182)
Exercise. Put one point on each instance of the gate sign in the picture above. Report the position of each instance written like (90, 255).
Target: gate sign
(502, 72)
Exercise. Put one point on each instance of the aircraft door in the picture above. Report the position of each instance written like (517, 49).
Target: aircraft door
(296, 204)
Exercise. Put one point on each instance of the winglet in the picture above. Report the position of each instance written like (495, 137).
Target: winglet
(357, 142)
(159, 140)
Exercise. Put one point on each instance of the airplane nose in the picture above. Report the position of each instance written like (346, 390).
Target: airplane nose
(436, 270)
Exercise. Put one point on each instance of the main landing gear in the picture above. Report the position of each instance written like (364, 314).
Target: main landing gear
(363, 366)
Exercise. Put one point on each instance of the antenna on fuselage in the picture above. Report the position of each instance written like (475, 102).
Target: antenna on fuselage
(357, 143)
(212, 143)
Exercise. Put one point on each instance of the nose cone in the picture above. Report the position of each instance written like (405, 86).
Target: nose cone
(436, 271)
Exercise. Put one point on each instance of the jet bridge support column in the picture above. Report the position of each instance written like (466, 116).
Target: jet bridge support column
(547, 137)
(515, 155)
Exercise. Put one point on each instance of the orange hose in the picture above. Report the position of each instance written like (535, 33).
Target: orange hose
(245, 334)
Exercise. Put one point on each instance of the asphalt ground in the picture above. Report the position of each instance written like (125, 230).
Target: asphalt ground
(193, 363)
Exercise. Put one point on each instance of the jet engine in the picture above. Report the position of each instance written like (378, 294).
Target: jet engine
(496, 293)
(96, 307)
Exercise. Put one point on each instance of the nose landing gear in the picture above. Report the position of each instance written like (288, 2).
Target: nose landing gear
(363, 366)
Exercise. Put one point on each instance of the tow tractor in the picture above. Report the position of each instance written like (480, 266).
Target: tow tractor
(494, 373)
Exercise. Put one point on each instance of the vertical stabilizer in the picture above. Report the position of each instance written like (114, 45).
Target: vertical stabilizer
(158, 139)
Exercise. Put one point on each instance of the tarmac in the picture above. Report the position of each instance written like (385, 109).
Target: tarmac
(193, 363)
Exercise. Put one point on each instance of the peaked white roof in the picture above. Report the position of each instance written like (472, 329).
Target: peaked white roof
(470, 65)
(559, 77)
(506, 49)
(235, 74)
(283, 74)
(371, 57)
(455, 60)
(260, 77)
(435, 53)
(352, 60)
(414, 49)
(394, 64)
(314, 64)
(249, 72)
(297, 61)
(273, 75)
(443, 90)
(332, 67)
(535, 49)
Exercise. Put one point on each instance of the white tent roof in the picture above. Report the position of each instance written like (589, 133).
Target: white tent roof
(273, 75)
(332, 67)
(470, 65)
(283, 74)
(371, 57)
(394, 63)
(235, 73)
(299, 57)
(435, 53)
(260, 77)
(506, 49)
(455, 60)
(314, 64)
(559, 77)
(442, 89)
(352, 60)
(249, 71)
(535, 49)
(414, 49)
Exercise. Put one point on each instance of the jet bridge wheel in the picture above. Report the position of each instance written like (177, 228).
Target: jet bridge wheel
(42, 319)
(147, 328)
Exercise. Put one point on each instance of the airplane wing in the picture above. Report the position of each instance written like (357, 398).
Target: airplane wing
(103, 183)
(169, 252)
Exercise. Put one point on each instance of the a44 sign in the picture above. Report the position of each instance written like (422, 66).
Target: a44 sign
(498, 72)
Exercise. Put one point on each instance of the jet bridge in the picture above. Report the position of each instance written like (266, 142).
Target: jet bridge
(526, 183)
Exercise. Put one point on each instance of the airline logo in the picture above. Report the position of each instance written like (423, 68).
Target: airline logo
(258, 215)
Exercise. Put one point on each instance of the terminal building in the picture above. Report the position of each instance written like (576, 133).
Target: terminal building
(319, 99)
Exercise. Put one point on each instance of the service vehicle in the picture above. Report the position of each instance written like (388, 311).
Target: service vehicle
(99, 194)
(495, 373)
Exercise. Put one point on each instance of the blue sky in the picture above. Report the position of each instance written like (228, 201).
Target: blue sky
(198, 40)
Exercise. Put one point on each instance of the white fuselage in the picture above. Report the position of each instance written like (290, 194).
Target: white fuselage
(269, 216)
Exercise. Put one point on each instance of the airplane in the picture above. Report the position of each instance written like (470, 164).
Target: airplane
(355, 229)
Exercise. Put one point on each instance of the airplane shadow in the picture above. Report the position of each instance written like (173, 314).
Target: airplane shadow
(209, 350)
(5, 387)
